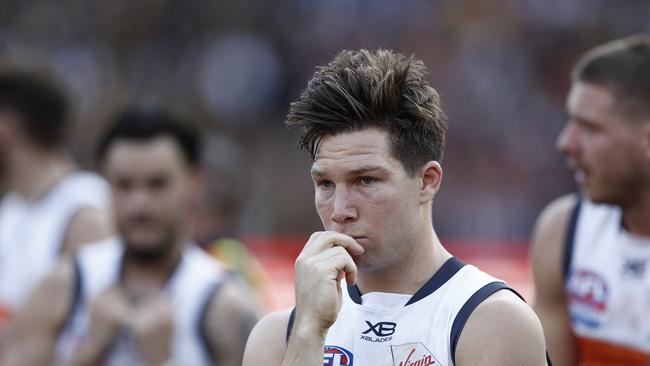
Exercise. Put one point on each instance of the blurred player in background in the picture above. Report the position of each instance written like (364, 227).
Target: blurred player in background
(591, 253)
(148, 296)
(375, 131)
(50, 207)
(224, 190)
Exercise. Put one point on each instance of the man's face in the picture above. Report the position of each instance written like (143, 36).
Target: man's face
(603, 149)
(152, 192)
(363, 191)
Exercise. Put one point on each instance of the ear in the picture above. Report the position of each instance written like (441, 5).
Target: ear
(430, 177)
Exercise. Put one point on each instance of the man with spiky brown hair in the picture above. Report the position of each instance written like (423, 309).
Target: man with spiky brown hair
(375, 131)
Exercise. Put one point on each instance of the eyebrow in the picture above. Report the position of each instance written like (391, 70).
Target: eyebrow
(358, 171)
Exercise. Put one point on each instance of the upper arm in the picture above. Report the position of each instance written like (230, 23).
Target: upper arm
(267, 343)
(230, 318)
(502, 330)
(547, 261)
(38, 324)
(88, 224)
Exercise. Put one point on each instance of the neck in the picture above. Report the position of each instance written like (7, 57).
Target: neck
(411, 272)
(32, 172)
(636, 216)
(142, 279)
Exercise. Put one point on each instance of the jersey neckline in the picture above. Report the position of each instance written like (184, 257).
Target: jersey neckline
(442, 275)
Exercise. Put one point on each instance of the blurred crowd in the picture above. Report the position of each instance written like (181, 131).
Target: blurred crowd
(500, 66)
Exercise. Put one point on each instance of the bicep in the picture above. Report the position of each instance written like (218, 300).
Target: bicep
(548, 244)
(267, 342)
(42, 317)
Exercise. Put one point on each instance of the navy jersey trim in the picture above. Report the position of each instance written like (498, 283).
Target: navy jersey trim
(569, 239)
(467, 309)
(201, 324)
(442, 275)
(76, 293)
(292, 317)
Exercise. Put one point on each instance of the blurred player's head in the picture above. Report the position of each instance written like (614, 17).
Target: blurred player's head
(375, 131)
(150, 160)
(33, 114)
(607, 137)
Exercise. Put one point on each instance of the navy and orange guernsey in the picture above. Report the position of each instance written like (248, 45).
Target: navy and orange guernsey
(406, 330)
(607, 278)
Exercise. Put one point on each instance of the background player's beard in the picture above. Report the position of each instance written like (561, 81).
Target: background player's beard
(155, 253)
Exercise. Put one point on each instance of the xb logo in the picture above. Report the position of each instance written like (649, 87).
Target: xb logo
(381, 329)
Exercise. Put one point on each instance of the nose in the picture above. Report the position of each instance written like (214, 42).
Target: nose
(343, 209)
(566, 141)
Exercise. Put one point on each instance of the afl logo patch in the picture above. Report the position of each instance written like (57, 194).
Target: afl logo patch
(337, 356)
(588, 296)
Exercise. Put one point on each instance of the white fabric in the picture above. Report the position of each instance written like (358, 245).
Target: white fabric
(31, 234)
(421, 329)
(608, 284)
(189, 289)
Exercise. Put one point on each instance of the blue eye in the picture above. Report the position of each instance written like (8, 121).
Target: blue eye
(366, 181)
(325, 184)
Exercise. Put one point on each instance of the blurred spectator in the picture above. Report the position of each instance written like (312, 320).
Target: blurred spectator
(500, 67)
(50, 206)
(148, 296)
(224, 191)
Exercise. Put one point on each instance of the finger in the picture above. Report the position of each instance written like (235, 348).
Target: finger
(340, 263)
(329, 239)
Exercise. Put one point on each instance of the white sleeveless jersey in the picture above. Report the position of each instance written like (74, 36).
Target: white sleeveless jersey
(32, 233)
(190, 290)
(383, 329)
(608, 287)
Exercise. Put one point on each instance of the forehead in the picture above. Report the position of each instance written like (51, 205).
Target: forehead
(591, 102)
(144, 156)
(346, 151)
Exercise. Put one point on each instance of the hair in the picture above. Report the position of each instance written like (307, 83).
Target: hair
(40, 106)
(622, 66)
(136, 125)
(361, 89)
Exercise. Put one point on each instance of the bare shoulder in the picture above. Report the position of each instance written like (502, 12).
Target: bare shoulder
(549, 235)
(88, 224)
(502, 330)
(230, 318)
(267, 343)
(553, 220)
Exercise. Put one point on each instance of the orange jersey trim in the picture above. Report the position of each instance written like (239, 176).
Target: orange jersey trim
(598, 353)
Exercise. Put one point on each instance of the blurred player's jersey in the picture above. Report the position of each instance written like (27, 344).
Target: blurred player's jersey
(190, 288)
(32, 233)
(608, 287)
(395, 329)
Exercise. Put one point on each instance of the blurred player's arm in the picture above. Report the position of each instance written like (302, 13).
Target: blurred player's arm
(550, 298)
(502, 330)
(231, 317)
(87, 225)
(37, 326)
(267, 343)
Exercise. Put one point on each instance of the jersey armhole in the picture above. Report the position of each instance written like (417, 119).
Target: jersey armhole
(292, 316)
(569, 239)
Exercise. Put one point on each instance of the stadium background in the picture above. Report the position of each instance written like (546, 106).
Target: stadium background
(501, 67)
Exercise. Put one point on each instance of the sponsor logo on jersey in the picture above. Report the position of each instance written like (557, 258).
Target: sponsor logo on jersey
(380, 332)
(588, 295)
(412, 354)
(337, 356)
